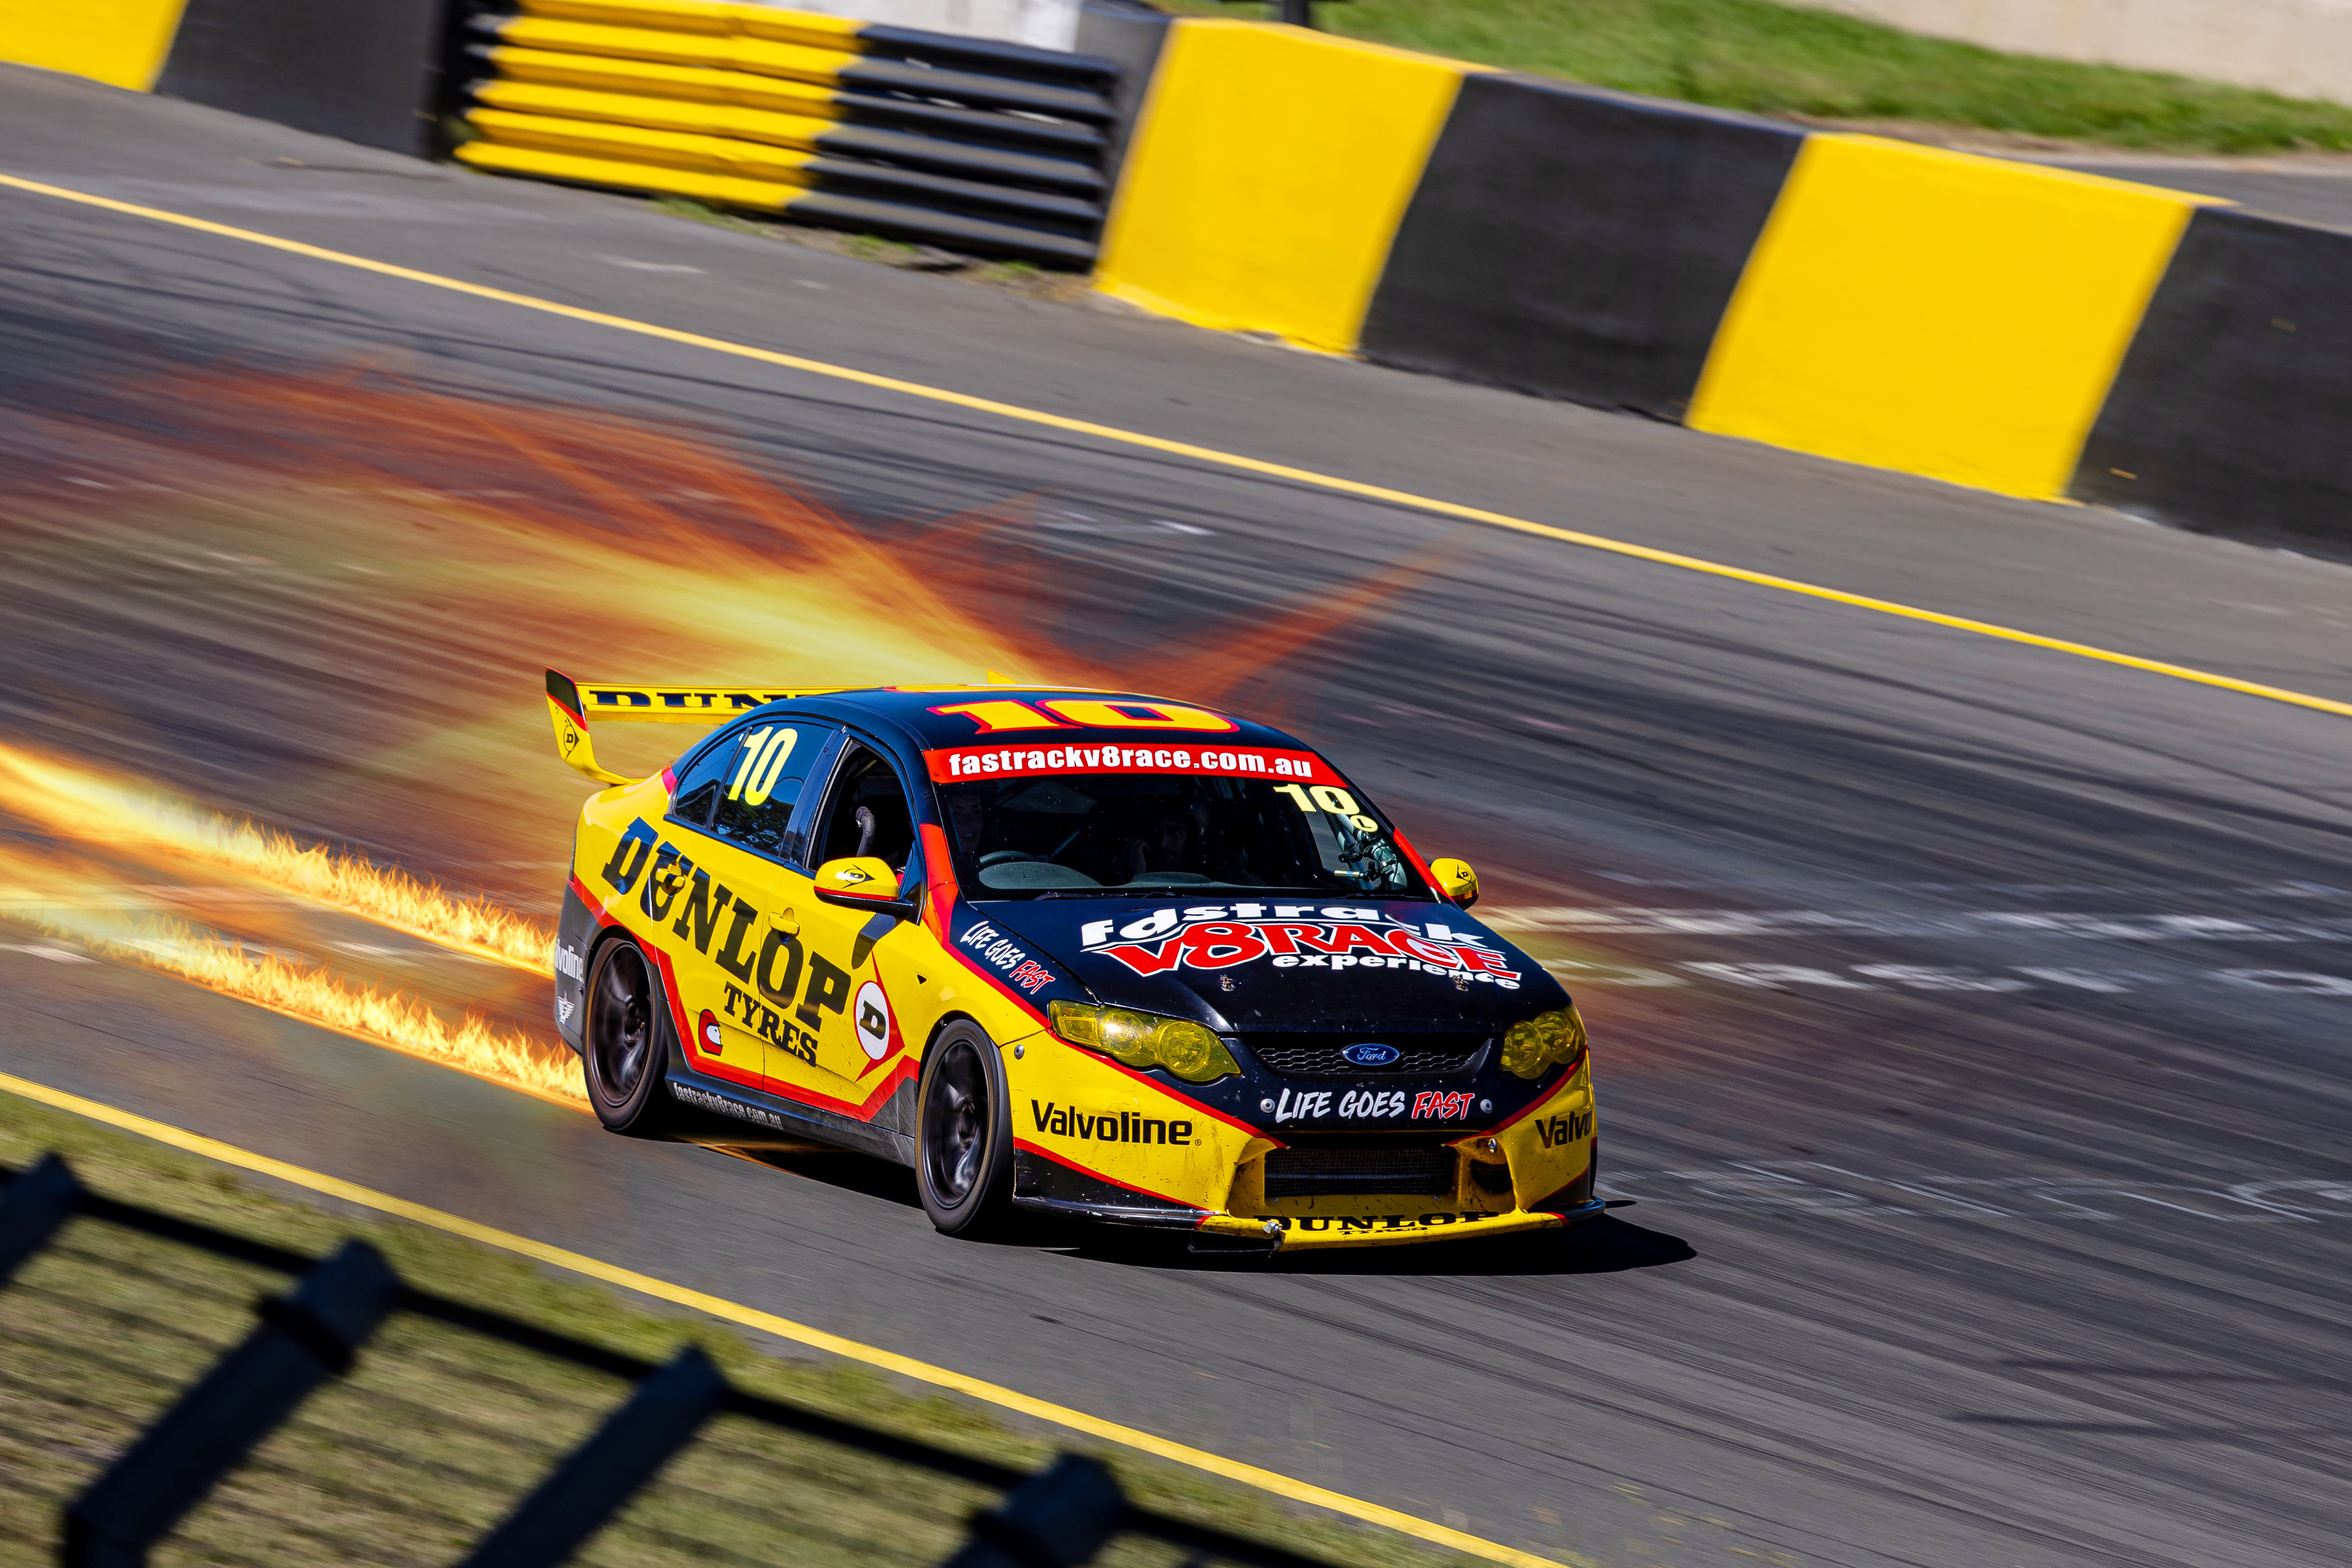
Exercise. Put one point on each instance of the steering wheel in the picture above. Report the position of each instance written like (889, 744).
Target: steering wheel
(1000, 857)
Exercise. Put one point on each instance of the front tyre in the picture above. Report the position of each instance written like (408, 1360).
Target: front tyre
(628, 1047)
(963, 1133)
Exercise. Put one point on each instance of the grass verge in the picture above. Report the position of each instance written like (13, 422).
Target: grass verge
(1782, 60)
(435, 1435)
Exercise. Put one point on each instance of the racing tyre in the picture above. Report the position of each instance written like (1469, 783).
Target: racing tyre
(963, 1133)
(627, 1053)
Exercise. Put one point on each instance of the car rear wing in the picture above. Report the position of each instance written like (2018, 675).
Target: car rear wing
(570, 705)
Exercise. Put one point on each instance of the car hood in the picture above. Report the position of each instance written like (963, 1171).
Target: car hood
(1399, 966)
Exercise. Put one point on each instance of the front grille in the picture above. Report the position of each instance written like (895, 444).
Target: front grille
(1323, 1172)
(1318, 1056)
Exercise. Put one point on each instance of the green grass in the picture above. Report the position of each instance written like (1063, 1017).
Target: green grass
(436, 1435)
(1776, 60)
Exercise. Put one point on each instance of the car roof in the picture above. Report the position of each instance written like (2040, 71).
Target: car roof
(916, 712)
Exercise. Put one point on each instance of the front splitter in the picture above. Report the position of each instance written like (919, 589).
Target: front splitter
(1295, 1233)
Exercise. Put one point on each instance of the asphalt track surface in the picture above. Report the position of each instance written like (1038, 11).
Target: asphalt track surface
(1970, 1019)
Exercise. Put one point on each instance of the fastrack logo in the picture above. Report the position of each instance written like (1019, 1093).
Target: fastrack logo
(994, 948)
(1342, 938)
(1557, 1131)
(986, 761)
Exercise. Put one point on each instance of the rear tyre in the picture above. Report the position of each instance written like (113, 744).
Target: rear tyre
(963, 1133)
(627, 1053)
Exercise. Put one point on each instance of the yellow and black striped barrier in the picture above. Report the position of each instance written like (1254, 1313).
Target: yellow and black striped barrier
(968, 142)
(1999, 324)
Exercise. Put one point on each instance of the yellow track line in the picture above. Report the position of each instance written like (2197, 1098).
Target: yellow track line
(782, 1328)
(1202, 453)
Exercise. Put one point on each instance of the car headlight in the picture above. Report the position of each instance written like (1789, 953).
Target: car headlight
(1545, 1040)
(1145, 1040)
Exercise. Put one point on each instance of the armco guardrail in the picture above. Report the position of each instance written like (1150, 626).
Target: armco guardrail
(983, 146)
(358, 1419)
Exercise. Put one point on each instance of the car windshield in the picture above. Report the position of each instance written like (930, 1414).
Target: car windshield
(1077, 821)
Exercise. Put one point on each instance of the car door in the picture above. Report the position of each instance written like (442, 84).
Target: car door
(742, 799)
(863, 970)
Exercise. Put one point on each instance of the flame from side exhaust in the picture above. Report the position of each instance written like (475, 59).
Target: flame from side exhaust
(142, 820)
(89, 910)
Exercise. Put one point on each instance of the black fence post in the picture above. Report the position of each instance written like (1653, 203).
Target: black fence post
(602, 1474)
(1298, 13)
(304, 1339)
(32, 1206)
(1058, 1518)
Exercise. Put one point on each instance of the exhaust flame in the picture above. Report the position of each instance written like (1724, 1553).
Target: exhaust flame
(75, 908)
(376, 572)
(75, 802)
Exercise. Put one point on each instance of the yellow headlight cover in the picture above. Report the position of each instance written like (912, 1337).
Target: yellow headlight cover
(1189, 1051)
(1545, 1040)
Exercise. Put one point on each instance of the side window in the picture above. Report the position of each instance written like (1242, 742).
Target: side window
(867, 812)
(754, 785)
(703, 778)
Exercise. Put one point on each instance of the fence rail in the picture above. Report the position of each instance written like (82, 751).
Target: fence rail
(360, 1417)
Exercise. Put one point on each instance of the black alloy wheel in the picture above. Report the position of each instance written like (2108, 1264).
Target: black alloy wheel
(627, 1046)
(963, 1138)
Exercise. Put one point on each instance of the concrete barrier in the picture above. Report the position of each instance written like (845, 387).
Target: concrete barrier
(1575, 243)
(365, 70)
(2230, 410)
(1268, 176)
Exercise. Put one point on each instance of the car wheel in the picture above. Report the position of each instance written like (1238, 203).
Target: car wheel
(627, 1045)
(963, 1133)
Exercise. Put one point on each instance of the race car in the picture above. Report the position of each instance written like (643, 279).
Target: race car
(1086, 953)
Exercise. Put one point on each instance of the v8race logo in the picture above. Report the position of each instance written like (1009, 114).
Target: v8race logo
(1219, 936)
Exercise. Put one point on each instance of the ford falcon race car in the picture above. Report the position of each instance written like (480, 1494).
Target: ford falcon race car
(1084, 953)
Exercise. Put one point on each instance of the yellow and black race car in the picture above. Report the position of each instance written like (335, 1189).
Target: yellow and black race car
(1082, 952)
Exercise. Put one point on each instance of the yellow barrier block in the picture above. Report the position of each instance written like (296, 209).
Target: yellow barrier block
(655, 113)
(651, 78)
(1937, 312)
(119, 42)
(636, 145)
(1268, 177)
(722, 190)
(703, 16)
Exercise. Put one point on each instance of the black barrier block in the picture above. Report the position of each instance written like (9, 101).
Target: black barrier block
(33, 1204)
(1577, 243)
(364, 70)
(304, 1339)
(2228, 414)
(604, 1473)
(1132, 33)
(1058, 1518)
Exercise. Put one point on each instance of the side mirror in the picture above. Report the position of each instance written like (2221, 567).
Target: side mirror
(1455, 879)
(864, 882)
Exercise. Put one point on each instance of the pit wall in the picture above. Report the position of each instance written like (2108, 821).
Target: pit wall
(2032, 332)
(364, 70)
